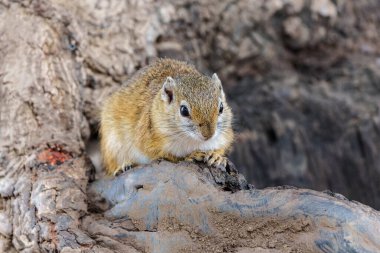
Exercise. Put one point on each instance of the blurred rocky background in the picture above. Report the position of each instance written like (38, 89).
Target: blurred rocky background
(302, 76)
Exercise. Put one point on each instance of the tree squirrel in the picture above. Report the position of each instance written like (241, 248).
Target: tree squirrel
(168, 110)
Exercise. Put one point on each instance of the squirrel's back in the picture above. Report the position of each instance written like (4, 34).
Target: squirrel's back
(152, 76)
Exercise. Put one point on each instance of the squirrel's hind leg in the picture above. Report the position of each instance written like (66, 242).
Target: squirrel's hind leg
(113, 167)
(123, 168)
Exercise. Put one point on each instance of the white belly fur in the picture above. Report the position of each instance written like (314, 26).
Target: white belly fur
(182, 147)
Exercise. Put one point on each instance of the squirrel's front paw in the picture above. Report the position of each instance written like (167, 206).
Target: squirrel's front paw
(209, 157)
(217, 160)
(125, 167)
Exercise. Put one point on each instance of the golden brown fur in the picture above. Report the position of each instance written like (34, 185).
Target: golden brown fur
(142, 121)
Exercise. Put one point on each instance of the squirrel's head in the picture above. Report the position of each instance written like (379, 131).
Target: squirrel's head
(195, 107)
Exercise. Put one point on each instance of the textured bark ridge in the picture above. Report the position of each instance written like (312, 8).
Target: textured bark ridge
(180, 209)
(59, 59)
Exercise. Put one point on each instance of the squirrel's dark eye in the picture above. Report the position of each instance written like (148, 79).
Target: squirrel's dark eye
(184, 111)
(221, 108)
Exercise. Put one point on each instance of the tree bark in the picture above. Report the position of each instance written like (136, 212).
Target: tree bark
(58, 61)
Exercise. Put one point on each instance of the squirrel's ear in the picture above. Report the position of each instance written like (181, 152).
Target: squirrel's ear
(216, 80)
(167, 89)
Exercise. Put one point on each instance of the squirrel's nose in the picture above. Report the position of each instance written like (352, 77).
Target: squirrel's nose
(207, 130)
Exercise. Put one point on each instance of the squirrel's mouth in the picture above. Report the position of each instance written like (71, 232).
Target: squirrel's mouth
(200, 137)
(206, 138)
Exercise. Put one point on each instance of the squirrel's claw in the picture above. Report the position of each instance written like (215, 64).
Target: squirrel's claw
(189, 159)
(224, 162)
(213, 160)
(122, 169)
(217, 160)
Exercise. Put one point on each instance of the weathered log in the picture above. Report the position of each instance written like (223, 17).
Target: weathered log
(182, 209)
